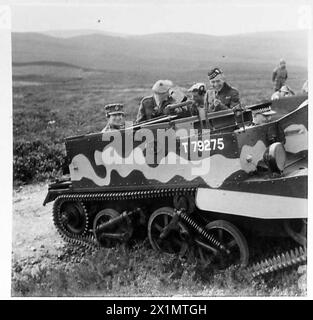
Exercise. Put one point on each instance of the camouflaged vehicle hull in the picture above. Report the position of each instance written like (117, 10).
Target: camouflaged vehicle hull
(226, 172)
(205, 191)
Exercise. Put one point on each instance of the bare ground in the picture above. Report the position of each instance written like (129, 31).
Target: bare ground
(33, 230)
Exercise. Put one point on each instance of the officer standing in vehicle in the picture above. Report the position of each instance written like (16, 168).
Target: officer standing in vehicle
(153, 106)
(116, 117)
(221, 96)
(280, 75)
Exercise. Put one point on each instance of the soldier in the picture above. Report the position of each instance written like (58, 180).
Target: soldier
(181, 105)
(115, 116)
(198, 91)
(260, 117)
(153, 106)
(284, 91)
(280, 75)
(222, 96)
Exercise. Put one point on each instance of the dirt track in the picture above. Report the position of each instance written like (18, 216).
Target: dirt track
(33, 232)
(37, 248)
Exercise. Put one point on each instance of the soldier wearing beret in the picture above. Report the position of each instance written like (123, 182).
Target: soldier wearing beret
(154, 105)
(115, 116)
(221, 96)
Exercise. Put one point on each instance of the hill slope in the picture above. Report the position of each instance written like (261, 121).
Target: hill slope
(167, 51)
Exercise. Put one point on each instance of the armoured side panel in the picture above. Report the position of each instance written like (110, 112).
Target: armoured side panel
(288, 104)
(123, 160)
(267, 196)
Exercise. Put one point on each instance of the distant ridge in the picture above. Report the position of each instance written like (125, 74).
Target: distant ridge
(46, 63)
(162, 51)
(68, 33)
(76, 33)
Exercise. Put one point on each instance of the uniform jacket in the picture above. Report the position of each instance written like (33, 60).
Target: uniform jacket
(228, 96)
(197, 108)
(148, 108)
(279, 77)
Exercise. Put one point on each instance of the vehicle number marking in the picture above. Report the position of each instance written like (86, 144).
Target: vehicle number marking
(205, 145)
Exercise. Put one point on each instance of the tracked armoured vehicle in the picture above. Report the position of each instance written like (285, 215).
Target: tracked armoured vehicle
(212, 184)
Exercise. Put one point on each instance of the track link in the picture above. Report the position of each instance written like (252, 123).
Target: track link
(85, 239)
(279, 262)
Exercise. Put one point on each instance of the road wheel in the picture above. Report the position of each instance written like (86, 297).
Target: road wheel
(123, 228)
(175, 240)
(233, 240)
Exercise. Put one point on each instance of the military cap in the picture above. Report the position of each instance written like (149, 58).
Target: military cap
(114, 108)
(269, 112)
(214, 72)
(162, 86)
(199, 87)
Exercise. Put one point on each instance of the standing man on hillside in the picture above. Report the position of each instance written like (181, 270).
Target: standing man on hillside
(153, 106)
(280, 75)
(221, 96)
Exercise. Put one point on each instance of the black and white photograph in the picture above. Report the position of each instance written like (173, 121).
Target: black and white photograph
(160, 149)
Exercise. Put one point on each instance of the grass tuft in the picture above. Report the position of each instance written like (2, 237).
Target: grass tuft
(140, 271)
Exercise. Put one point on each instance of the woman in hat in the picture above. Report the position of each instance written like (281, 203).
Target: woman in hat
(154, 105)
(198, 91)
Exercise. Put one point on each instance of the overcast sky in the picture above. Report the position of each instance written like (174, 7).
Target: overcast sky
(138, 17)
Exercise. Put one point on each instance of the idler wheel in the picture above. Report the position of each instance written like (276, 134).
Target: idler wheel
(74, 217)
(233, 240)
(164, 237)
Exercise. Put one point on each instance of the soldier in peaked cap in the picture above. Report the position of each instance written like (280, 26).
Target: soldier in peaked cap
(221, 96)
(115, 115)
(262, 116)
(154, 105)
